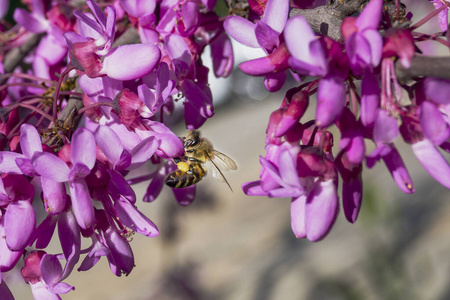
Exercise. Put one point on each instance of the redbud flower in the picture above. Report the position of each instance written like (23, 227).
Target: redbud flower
(363, 43)
(44, 274)
(83, 156)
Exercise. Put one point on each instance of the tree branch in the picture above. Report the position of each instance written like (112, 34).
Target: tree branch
(14, 57)
(424, 66)
(327, 19)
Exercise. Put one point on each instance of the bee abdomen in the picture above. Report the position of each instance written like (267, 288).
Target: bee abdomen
(179, 179)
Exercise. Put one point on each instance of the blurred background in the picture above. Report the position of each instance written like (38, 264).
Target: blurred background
(226, 245)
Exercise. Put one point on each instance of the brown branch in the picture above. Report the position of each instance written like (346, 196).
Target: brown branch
(327, 19)
(424, 66)
(74, 102)
(14, 57)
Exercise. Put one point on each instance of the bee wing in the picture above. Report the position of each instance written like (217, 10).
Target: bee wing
(220, 162)
(223, 162)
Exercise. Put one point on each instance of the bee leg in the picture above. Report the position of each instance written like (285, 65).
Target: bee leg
(176, 160)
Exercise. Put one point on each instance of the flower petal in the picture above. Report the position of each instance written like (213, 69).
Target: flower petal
(138, 8)
(385, 129)
(119, 186)
(434, 126)
(121, 256)
(306, 51)
(432, 161)
(267, 37)
(298, 212)
(51, 269)
(134, 219)
(82, 206)
(50, 166)
(143, 151)
(352, 198)
(31, 22)
(276, 14)
(20, 223)
(322, 207)
(330, 101)
(274, 81)
(9, 258)
(44, 232)
(370, 99)
(437, 90)
(253, 188)
(5, 293)
(54, 196)
(242, 30)
(222, 55)
(177, 48)
(370, 16)
(83, 148)
(129, 62)
(185, 196)
(8, 162)
(30, 141)
(109, 142)
(398, 170)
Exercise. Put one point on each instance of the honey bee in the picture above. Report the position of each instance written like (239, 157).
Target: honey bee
(199, 158)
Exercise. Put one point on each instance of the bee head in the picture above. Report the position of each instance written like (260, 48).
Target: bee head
(191, 138)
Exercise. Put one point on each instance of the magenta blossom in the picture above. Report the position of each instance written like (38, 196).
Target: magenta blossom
(363, 41)
(82, 155)
(123, 63)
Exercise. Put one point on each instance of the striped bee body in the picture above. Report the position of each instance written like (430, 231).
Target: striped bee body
(181, 179)
(199, 156)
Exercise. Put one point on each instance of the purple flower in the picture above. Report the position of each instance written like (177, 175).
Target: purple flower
(111, 244)
(182, 16)
(44, 274)
(352, 138)
(384, 133)
(315, 204)
(4, 6)
(125, 62)
(432, 161)
(363, 42)
(198, 104)
(433, 123)
(52, 49)
(307, 53)
(54, 194)
(352, 186)
(370, 99)
(264, 34)
(399, 42)
(9, 257)
(83, 155)
(138, 8)
(442, 16)
(5, 293)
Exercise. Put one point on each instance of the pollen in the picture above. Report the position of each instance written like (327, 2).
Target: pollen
(408, 186)
(183, 166)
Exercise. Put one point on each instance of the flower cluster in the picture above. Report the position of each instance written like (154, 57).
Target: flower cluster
(68, 141)
(87, 91)
(357, 90)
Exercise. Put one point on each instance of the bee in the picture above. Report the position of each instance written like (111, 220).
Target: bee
(199, 158)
